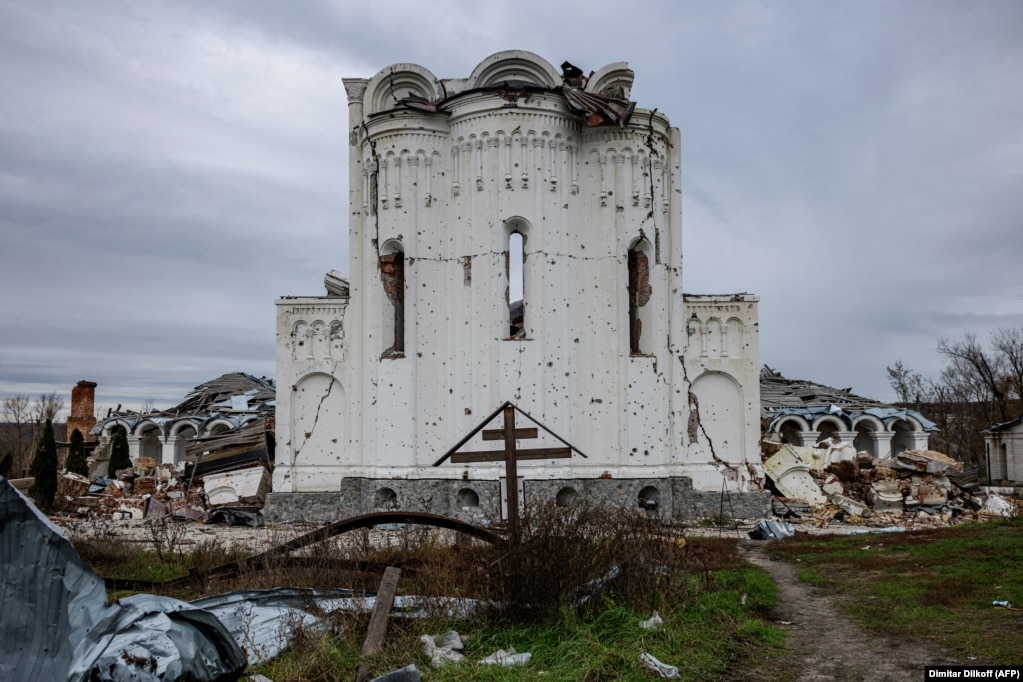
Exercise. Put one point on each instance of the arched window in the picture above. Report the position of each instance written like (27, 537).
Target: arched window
(392, 277)
(639, 296)
(517, 292)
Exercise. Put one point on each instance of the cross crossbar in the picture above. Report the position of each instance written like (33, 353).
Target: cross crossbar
(500, 455)
(520, 434)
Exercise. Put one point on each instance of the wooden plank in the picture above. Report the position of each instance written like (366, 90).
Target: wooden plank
(499, 455)
(378, 619)
(511, 475)
(498, 434)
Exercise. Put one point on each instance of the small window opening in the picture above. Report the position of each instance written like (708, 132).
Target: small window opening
(639, 295)
(392, 276)
(467, 497)
(515, 265)
(566, 497)
(385, 497)
(649, 498)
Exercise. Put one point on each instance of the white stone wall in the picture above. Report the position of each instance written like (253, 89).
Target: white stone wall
(1004, 451)
(446, 189)
(722, 362)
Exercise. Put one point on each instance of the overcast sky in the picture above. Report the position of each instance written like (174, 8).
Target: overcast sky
(167, 169)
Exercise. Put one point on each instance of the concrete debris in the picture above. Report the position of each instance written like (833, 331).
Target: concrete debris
(849, 505)
(831, 451)
(71, 486)
(885, 496)
(242, 486)
(997, 505)
(926, 461)
(915, 488)
(832, 485)
(791, 476)
(233, 494)
(666, 671)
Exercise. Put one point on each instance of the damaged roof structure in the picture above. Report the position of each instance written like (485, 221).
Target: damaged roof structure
(209, 455)
(515, 237)
(215, 408)
(805, 413)
(830, 455)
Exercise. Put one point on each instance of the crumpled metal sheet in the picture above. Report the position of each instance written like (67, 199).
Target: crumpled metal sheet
(152, 638)
(771, 530)
(55, 623)
(266, 621)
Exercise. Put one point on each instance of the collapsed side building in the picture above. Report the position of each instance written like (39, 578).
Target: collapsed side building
(515, 239)
(233, 408)
(805, 413)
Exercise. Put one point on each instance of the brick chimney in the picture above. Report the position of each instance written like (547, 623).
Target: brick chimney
(83, 410)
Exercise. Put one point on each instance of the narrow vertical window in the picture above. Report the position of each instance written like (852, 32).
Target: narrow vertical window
(516, 285)
(392, 277)
(639, 296)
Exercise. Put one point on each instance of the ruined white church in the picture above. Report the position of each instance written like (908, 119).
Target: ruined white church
(515, 237)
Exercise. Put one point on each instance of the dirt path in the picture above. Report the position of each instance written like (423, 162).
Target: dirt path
(822, 643)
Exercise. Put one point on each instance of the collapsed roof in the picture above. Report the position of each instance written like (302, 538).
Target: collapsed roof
(609, 106)
(234, 392)
(235, 397)
(781, 397)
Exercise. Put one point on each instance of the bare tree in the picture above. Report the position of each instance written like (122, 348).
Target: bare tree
(978, 387)
(1008, 343)
(908, 385)
(148, 405)
(47, 406)
(16, 412)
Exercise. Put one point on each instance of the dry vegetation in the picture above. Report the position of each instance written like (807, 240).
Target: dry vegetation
(572, 593)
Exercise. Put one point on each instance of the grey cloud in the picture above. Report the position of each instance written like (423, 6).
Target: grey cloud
(168, 169)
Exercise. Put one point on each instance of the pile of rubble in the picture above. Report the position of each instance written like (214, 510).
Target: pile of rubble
(151, 491)
(915, 488)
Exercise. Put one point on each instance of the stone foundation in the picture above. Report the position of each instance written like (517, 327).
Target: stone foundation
(479, 502)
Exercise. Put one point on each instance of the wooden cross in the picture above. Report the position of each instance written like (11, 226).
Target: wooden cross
(510, 455)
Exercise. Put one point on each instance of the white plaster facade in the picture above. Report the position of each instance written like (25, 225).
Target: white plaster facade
(443, 175)
(1003, 446)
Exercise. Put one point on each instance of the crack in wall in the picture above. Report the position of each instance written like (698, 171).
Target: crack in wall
(696, 426)
(316, 418)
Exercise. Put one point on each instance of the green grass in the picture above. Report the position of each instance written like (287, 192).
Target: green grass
(935, 585)
(706, 636)
(812, 577)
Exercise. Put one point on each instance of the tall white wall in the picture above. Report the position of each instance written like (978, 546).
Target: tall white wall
(446, 188)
